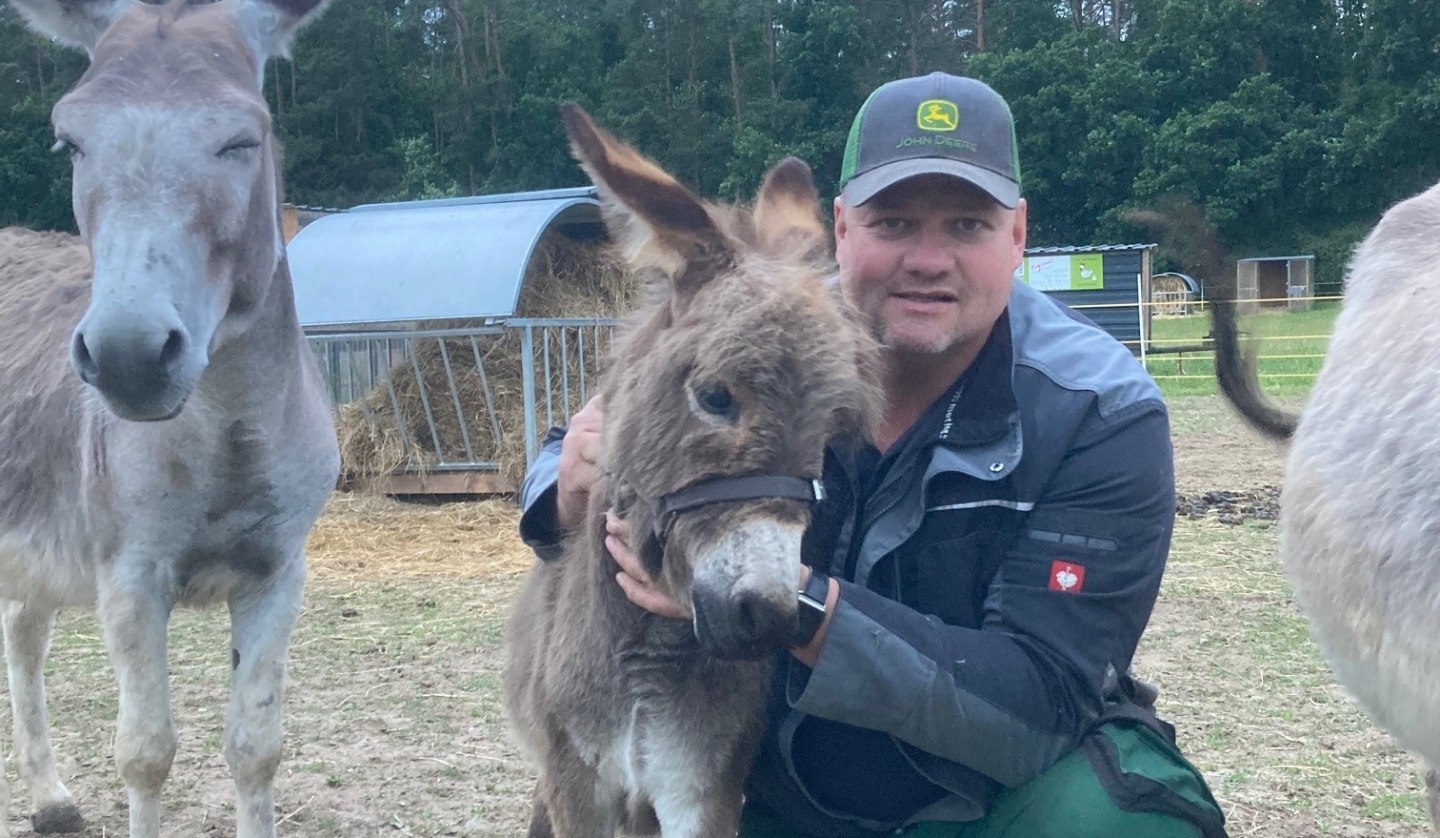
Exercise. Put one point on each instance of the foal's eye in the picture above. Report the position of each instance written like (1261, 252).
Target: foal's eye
(715, 400)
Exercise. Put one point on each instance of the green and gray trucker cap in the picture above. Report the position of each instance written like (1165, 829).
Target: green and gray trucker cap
(938, 123)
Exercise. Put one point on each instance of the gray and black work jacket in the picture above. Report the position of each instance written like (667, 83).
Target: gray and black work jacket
(997, 568)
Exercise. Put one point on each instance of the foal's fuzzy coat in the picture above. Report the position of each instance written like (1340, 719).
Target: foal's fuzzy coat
(745, 362)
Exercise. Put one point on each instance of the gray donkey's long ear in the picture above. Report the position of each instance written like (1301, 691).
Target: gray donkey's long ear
(656, 221)
(271, 24)
(76, 23)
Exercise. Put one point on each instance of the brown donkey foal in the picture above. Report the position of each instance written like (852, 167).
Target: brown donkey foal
(722, 394)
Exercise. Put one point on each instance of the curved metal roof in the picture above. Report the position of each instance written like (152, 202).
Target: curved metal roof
(448, 259)
(1191, 284)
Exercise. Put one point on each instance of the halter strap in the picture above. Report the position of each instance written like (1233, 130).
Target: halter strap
(722, 489)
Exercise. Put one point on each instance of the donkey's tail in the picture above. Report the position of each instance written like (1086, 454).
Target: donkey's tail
(1235, 370)
(1192, 241)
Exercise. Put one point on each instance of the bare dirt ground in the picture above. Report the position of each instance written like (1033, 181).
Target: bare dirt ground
(394, 718)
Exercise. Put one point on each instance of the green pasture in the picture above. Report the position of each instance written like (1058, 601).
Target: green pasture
(1291, 346)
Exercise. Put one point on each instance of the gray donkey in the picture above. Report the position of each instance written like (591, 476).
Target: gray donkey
(186, 448)
(722, 393)
(1361, 496)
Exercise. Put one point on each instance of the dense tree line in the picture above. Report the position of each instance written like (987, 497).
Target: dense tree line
(1294, 122)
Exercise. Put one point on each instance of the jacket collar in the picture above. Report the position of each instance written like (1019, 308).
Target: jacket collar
(981, 410)
(979, 429)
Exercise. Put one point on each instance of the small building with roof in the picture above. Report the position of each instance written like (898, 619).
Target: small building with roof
(1275, 282)
(1108, 283)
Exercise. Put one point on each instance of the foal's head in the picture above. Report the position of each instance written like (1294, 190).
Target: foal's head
(744, 364)
(175, 184)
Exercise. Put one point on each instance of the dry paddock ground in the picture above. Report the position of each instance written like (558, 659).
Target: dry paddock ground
(395, 726)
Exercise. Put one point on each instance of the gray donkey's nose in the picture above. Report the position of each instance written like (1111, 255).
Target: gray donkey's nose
(137, 367)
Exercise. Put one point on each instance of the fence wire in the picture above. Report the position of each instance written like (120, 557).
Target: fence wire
(482, 398)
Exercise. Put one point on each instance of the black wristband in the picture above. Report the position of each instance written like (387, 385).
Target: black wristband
(810, 602)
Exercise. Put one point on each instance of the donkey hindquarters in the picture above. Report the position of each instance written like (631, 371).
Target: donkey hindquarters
(1361, 496)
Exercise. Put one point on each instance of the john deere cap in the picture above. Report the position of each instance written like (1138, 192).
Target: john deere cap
(932, 124)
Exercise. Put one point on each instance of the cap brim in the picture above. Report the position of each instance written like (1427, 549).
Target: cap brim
(862, 188)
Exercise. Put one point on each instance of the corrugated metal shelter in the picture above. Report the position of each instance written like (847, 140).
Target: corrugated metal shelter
(417, 261)
(1108, 283)
(1275, 281)
(411, 310)
(294, 218)
(1172, 294)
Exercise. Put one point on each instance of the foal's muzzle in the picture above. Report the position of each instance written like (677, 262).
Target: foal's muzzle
(742, 624)
(743, 589)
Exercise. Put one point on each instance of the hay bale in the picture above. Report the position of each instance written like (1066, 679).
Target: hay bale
(571, 278)
(387, 430)
(1169, 296)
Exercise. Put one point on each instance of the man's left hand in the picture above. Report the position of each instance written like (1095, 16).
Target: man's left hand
(639, 587)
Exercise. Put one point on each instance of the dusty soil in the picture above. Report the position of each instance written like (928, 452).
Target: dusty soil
(1215, 450)
(394, 716)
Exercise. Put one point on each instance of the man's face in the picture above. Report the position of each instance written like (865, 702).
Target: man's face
(929, 263)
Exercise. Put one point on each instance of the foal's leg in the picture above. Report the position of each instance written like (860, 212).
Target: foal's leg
(261, 620)
(539, 819)
(697, 787)
(27, 639)
(134, 617)
(699, 806)
(570, 801)
(4, 806)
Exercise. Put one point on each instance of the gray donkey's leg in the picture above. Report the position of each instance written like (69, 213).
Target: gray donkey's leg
(260, 626)
(540, 826)
(27, 640)
(134, 616)
(1432, 797)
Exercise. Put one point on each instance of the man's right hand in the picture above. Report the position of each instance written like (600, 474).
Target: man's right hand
(579, 463)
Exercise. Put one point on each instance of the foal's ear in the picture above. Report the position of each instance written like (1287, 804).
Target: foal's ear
(270, 25)
(76, 23)
(657, 222)
(787, 212)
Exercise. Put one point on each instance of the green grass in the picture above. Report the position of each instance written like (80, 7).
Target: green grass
(1291, 347)
(1286, 751)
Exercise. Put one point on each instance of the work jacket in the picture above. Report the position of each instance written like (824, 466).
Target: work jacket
(998, 565)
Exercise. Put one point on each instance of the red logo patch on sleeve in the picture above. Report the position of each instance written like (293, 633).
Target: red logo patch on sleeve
(1067, 577)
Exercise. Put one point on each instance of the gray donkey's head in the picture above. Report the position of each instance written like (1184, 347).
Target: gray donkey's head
(744, 364)
(175, 185)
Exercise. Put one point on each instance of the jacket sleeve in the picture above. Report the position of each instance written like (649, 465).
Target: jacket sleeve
(1062, 618)
(537, 498)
